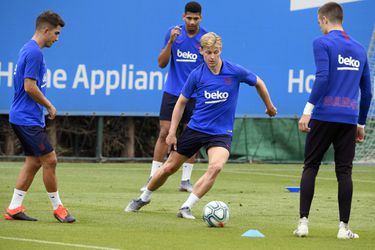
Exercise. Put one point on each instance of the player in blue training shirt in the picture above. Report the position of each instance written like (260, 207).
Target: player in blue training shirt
(27, 119)
(181, 49)
(215, 84)
(336, 116)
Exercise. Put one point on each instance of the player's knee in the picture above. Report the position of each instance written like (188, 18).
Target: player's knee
(214, 169)
(163, 133)
(169, 170)
(343, 173)
(50, 162)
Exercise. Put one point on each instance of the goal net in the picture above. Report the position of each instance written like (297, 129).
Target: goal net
(365, 152)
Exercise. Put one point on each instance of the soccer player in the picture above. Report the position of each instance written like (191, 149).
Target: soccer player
(216, 85)
(333, 115)
(27, 119)
(181, 48)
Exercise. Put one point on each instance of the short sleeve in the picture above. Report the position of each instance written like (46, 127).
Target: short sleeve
(34, 61)
(246, 76)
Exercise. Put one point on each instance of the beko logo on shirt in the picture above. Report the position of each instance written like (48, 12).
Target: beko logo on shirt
(351, 63)
(215, 97)
(186, 56)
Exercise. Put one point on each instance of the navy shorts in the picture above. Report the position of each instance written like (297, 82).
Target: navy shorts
(34, 140)
(190, 141)
(167, 105)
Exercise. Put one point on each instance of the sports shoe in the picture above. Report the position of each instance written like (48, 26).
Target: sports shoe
(135, 205)
(17, 213)
(185, 212)
(302, 228)
(186, 186)
(62, 215)
(345, 233)
(145, 186)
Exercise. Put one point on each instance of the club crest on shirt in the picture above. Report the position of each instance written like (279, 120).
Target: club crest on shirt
(227, 80)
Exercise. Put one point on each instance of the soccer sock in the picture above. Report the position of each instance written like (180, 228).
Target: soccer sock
(17, 199)
(146, 195)
(55, 199)
(187, 168)
(155, 166)
(190, 201)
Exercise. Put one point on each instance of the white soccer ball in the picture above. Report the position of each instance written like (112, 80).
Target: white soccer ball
(216, 214)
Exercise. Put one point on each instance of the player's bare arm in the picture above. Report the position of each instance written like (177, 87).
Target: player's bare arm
(32, 90)
(165, 53)
(263, 93)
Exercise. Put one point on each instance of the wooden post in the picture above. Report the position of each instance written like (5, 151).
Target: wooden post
(128, 150)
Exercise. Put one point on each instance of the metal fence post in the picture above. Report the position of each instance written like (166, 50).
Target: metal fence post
(99, 139)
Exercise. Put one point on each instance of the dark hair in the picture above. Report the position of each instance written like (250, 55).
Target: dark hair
(193, 7)
(333, 11)
(50, 18)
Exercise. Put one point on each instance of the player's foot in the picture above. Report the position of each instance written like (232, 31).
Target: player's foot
(135, 205)
(185, 212)
(145, 186)
(62, 215)
(302, 228)
(345, 233)
(17, 214)
(186, 186)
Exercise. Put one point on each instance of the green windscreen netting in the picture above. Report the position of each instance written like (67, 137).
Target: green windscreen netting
(266, 139)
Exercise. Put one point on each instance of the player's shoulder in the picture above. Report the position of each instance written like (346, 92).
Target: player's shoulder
(32, 49)
(357, 44)
(203, 30)
(198, 70)
(321, 40)
(233, 67)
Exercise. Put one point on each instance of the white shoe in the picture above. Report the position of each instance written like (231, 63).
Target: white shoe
(345, 233)
(185, 212)
(302, 228)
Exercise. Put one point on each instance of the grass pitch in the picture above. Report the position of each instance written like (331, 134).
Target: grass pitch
(96, 195)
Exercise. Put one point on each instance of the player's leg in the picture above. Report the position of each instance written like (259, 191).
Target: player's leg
(161, 147)
(218, 148)
(49, 162)
(344, 146)
(318, 141)
(25, 178)
(187, 167)
(26, 135)
(172, 164)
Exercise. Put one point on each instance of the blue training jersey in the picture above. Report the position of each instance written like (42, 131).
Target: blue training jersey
(341, 71)
(216, 97)
(24, 110)
(185, 57)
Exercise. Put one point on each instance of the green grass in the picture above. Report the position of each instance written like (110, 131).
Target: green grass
(96, 195)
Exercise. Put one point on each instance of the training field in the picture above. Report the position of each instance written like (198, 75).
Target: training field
(96, 195)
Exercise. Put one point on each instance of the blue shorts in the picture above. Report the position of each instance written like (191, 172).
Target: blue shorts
(190, 141)
(34, 140)
(167, 105)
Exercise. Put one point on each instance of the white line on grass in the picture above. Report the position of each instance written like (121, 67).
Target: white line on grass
(57, 243)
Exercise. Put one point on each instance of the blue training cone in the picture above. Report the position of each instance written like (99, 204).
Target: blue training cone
(293, 189)
(253, 233)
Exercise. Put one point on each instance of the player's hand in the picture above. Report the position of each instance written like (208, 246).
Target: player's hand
(51, 112)
(303, 123)
(271, 111)
(176, 31)
(171, 141)
(360, 136)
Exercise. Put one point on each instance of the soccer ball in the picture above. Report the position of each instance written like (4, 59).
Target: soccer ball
(216, 214)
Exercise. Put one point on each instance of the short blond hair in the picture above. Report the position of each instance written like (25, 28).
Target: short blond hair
(210, 39)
